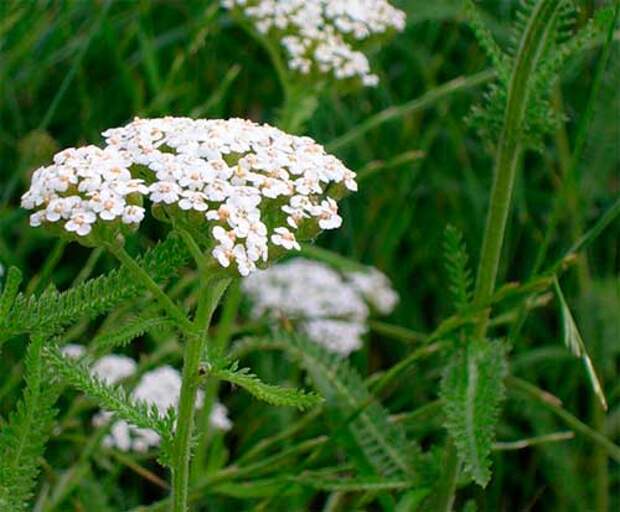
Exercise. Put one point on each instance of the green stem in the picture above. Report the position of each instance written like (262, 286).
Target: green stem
(509, 150)
(192, 356)
(553, 404)
(443, 498)
(195, 336)
(166, 302)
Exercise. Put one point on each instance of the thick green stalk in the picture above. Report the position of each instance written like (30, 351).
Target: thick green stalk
(509, 150)
(507, 160)
(194, 345)
(195, 337)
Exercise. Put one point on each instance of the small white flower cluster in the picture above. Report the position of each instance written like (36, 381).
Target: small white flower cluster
(83, 185)
(111, 368)
(376, 289)
(320, 34)
(233, 173)
(331, 308)
(160, 387)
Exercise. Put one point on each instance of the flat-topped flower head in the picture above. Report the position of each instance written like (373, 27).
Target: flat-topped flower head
(161, 388)
(323, 36)
(330, 307)
(254, 190)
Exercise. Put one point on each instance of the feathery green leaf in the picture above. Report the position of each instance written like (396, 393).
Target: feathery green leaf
(128, 332)
(457, 268)
(22, 440)
(110, 397)
(383, 443)
(472, 389)
(53, 310)
(275, 395)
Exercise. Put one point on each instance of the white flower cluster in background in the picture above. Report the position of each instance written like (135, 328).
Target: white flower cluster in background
(331, 308)
(160, 387)
(111, 368)
(376, 289)
(320, 35)
(231, 173)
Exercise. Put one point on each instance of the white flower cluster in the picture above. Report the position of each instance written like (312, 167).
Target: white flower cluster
(234, 173)
(111, 368)
(160, 387)
(320, 34)
(376, 289)
(331, 308)
(83, 185)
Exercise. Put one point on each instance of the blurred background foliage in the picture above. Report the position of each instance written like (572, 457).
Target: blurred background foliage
(70, 69)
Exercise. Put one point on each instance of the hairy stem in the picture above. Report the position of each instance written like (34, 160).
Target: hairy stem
(192, 355)
(143, 276)
(509, 150)
(507, 160)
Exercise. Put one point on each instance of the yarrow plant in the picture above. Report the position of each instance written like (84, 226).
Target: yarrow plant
(322, 36)
(230, 197)
(331, 308)
(235, 192)
(253, 185)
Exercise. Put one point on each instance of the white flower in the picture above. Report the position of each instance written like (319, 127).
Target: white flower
(219, 417)
(325, 305)
(285, 238)
(322, 34)
(331, 308)
(164, 192)
(109, 205)
(80, 222)
(114, 368)
(327, 212)
(223, 255)
(73, 350)
(338, 336)
(61, 208)
(193, 201)
(255, 182)
(376, 288)
(133, 214)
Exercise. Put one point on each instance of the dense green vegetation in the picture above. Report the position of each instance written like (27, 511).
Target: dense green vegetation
(484, 390)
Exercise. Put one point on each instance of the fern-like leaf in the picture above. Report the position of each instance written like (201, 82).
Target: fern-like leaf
(23, 439)
(128, 332)
(575, 343)
(52, 310)
(540, 117)
(9, 293)
(501, 62)
(457, 268)
(472, 390)
(111, 398)
(386, 450)
(275, 395)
